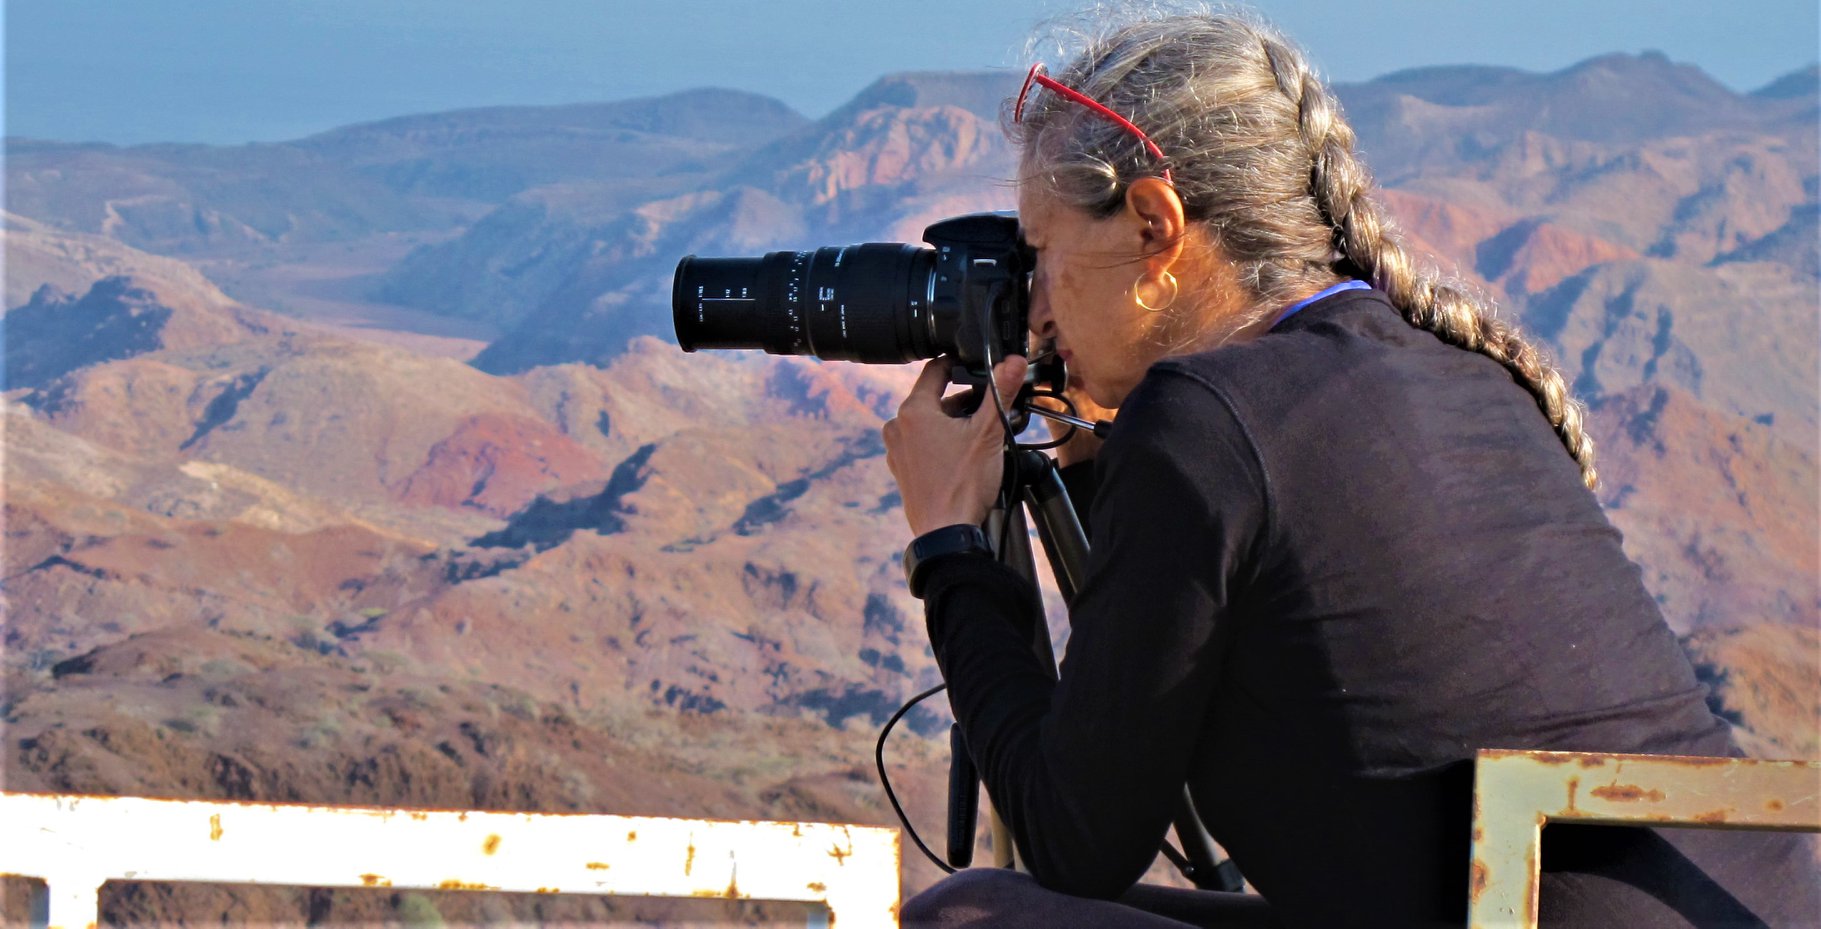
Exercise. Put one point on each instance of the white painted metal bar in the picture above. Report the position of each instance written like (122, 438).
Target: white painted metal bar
(76, 843)
(1516, 793)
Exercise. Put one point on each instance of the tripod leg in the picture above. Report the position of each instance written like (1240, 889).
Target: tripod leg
(1206, 870)
(1010, 537)
(963, 799)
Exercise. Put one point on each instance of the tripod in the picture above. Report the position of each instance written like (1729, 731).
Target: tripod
(1032, 478)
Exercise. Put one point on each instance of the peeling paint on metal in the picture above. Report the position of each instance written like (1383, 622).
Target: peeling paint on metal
(689, 863)
(375, 848)
(1626, 793)
(1519, 793)
(1533, 880)
(215, 827)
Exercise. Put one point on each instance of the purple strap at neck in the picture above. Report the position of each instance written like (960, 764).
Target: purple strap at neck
(1343, 285)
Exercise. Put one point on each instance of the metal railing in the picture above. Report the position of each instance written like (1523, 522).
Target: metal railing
(76, 843)
(1515, 793)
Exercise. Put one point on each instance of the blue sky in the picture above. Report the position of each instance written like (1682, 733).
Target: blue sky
(227, 71)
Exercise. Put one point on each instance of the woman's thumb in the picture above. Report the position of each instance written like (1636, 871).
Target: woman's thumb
(1009, 375)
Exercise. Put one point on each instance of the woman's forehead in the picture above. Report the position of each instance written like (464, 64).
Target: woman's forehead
(1036, 206)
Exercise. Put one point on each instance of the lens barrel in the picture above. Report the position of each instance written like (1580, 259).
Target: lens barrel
(868, 303)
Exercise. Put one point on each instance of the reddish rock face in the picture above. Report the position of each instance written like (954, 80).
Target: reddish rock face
(1546, 254)
(887, 147)
(498, 464)
(1717, 509)
(1517, 256)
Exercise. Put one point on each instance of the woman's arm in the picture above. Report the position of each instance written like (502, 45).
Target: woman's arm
(1088, 770)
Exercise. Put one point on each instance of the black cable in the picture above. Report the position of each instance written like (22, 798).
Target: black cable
(1181, 861)
(1007, 502)
(1065, 437)
(886, 781)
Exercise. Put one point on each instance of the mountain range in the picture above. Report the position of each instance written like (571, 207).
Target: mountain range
(364, 469)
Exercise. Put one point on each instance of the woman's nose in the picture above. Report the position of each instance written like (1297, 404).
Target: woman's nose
(1041, 324)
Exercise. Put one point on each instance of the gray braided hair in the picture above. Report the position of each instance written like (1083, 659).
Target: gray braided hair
(1261, 157)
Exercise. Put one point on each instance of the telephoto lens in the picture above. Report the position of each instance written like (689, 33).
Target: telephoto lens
(867, 303)
(966, 294)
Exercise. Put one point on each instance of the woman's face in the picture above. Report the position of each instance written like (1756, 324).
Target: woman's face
(1082, 294)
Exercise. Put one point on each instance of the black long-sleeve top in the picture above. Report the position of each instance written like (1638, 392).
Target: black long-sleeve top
(1327, 566)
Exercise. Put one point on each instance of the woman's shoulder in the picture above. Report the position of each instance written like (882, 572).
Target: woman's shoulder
(1353, 358)
(1334, 337)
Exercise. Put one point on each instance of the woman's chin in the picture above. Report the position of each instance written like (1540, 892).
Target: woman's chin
(1105, 395)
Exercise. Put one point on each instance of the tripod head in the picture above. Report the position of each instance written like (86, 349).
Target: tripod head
(1046, 378)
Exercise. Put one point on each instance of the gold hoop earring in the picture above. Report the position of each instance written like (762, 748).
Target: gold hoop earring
(1175, 289)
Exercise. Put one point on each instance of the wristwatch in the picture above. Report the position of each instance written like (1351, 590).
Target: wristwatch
(927, 548)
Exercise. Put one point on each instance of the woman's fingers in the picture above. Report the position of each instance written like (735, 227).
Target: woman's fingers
(948, 467)
(931, 381)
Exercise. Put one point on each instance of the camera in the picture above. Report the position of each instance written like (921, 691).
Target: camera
(966, 295)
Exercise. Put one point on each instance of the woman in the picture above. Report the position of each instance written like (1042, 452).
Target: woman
(1342, 538)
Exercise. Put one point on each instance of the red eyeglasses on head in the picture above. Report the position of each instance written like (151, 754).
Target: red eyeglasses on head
(1036, 76)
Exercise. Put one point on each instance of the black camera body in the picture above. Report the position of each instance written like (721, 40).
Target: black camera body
(967, 296)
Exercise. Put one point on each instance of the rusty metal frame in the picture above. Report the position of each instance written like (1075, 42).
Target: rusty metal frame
(76, 843)
(1515, 793)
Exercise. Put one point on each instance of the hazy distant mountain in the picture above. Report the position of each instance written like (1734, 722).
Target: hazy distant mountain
(909, 150)
(413, 173)
(1795, 85)
(1615, 98)
(193, 199)
(120, 317)
(1574, 154)
(493, 153)
(37, 255)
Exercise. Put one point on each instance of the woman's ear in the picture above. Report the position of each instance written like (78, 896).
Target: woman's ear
(1161, 223)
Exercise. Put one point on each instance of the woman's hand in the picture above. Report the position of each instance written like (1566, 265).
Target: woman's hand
(948, 466)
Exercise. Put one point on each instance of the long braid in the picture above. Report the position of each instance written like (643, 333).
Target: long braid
(1365, 240)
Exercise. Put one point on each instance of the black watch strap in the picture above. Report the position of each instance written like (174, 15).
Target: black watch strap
(925, 549)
